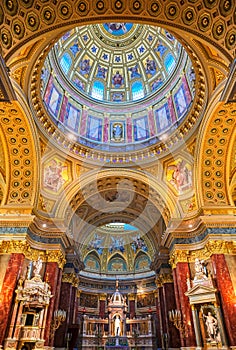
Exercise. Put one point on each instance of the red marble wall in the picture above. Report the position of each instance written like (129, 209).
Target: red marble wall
(182, 271)
(52, 273)
(227, 295)
(12, 275)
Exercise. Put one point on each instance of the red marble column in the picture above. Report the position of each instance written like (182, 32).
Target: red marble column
(182, 271)
(12, 275)
(132, 307)
(177, 300)
(162, 310)
(74, 306)
(102, 307)
(169, 304)
(65, 304)
(227, 296)
(53, 278)
(159, 323)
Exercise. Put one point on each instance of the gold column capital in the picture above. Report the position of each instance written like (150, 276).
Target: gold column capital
(56, 256)
(23, 247)
(131, 296)
(103, 297)
(71, 278)
(163, 278)
(210, 248)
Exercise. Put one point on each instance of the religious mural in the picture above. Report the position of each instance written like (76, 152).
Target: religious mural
(117, 131)
(97, 243)
(179, 175)
(145, 300)
(142, 262)
(118, 29)
(55, 174)
(138, 243)
(94, 128)
(72, 117)
(92, 263)
(141, 130)
(117, 264)
(88, 300)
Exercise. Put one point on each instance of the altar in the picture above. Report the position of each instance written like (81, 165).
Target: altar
(117, 343)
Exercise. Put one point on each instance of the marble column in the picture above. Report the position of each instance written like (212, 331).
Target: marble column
(74, 308)
(102, 305)
(196, 327)
(169, 304)
(53, 277)
(13, 272)
(182, 271)
(65, 304)
(177, 301)
(227, 295)
(132, 305)
(158, 325)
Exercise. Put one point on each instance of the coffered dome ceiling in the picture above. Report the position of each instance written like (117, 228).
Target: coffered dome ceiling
(117, 86)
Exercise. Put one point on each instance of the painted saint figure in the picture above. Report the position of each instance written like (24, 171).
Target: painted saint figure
(117, 79)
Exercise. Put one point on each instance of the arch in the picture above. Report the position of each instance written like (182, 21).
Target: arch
(142, 262)
(21, 151)
(44, 19)
(92, 262)
(117, 264)
(107, 180)
(215, 141)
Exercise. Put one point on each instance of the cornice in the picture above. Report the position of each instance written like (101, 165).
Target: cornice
(211, 247)
(23, 247)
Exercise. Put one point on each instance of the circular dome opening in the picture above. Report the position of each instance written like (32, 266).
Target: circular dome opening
(117, 85)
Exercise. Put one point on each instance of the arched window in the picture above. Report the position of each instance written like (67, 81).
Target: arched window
(98, 90)
(66, 62)
(137, 90)
(169, 62)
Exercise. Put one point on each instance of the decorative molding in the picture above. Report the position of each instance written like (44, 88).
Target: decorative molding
(71, 278)
(163, 278)
(211, 247)
(23, 247)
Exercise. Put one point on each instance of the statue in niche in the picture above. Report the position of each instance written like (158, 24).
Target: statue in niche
(212, 327)
(117, 326)
(200, 270)
(37, 267)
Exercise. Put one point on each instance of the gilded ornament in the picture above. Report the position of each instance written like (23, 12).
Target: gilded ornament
(71, 278)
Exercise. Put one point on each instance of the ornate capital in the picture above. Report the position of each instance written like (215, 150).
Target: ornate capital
(71, 278)
(56, 256)
(103, 297)
(23, 247)
(210, 248)
(178, 256)
(163, 278)
(131, 296)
